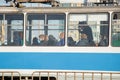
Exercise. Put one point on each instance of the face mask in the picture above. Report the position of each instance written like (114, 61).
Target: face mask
(38, 41)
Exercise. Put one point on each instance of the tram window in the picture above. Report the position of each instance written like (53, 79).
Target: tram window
(116, 29)
(88, 29)
(44, 29)
(11, 33)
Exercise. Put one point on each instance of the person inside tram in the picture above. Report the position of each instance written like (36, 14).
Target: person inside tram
(84, 28)
(83, 40)
(43, 40)
(103, 41)
(35, 41)
(52, 41)
(62, 39)
(71, 42)
(17, 39)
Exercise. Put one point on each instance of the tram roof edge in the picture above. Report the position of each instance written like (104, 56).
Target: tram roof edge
(59, 9)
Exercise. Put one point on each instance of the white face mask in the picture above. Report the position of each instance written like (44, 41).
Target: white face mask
(40, 39)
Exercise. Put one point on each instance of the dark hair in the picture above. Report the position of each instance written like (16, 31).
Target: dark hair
(35, 41)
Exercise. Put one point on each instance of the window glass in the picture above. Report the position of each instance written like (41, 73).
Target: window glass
(88, 29)
(45, 29)
(11, 29)
(116, 29)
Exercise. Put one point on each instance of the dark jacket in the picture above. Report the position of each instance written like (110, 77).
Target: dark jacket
(71, 42)
(83, 42)
(88, 31)
(52, 41)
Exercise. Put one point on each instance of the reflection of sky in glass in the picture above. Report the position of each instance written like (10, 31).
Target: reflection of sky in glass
(78, 17)
(2, 2)
(98, 17)
(38, 24)
(56, 24)
(17, 24)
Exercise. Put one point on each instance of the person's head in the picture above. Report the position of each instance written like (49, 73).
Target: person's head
(51, 37)
(81, 25)
(41, 37)
(70, 39)
(62, 35)
(35, 39)
(83, 36)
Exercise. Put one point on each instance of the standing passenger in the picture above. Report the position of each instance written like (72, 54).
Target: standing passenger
(84, 28)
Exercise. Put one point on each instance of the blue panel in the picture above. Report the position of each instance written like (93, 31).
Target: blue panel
(65, 61)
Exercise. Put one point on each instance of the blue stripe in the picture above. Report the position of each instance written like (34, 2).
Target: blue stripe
(65, 61)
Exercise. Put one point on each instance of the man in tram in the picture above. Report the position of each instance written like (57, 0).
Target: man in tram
(83, 41)
(62, 39)
(43, 40)
(84, 28)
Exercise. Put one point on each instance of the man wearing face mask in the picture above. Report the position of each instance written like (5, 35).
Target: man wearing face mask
(84, 28)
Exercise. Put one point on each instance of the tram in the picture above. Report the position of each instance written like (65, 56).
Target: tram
(19, 27)
(67, 39)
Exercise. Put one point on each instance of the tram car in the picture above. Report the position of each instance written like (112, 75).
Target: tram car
(60, 43)
(74, 29)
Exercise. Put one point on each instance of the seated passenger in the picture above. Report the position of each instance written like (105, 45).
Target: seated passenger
(103, 41)
(62, 40)
(43, 40)
(83, 41)
(52, 41)
(71, 42)
(35, 41)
